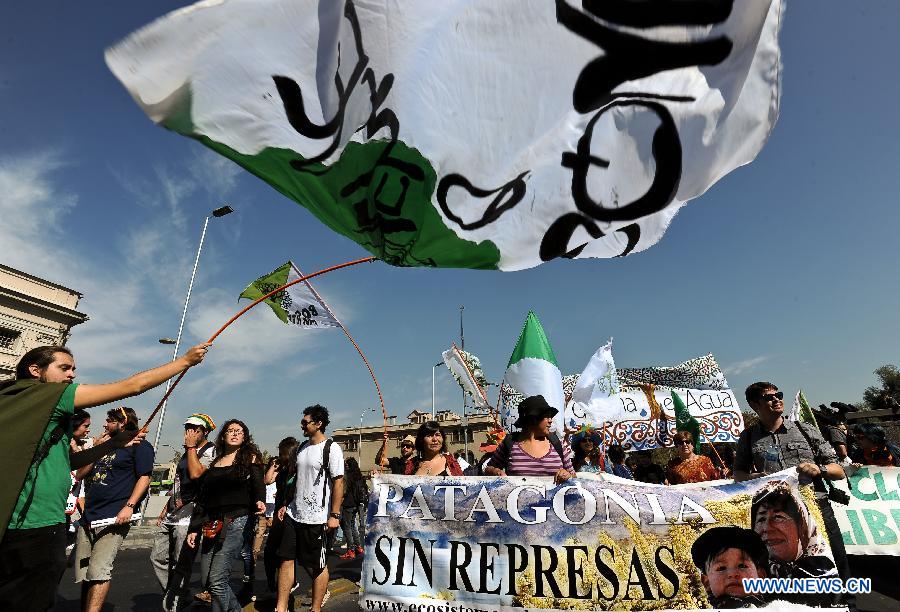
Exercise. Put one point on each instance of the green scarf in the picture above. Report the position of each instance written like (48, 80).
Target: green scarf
(25, 409)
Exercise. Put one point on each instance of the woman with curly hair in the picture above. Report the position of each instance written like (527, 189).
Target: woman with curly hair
(232, 490)
(432, 458)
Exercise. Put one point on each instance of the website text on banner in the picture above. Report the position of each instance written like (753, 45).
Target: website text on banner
(591, 543)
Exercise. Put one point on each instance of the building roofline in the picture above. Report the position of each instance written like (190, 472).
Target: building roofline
(75, 316)
(40, 280)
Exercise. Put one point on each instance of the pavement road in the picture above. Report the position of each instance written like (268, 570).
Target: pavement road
(134, 586)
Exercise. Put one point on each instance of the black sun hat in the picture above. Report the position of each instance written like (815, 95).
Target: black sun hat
(719, 538)
(534, 407)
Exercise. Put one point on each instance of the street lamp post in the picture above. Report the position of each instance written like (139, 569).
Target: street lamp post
(219, 212)
(359, 448)
(432, 387)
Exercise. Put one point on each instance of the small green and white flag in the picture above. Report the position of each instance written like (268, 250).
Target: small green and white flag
(685, 421)
(533, 370)
(298, 305)
(801, 411)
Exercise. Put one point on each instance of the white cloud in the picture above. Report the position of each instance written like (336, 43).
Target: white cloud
(216, 174)
(746, 365)
(32, 209)
(255, 342)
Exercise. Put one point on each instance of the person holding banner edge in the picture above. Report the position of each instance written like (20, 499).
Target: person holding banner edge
(432, 458)
(534, 451)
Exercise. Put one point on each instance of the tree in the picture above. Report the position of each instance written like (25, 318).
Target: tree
(887, 396)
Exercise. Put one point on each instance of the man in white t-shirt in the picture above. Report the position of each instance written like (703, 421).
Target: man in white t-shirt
(171, 559)
(313, 510)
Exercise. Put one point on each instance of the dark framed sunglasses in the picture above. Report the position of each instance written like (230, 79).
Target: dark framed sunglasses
(684, 442)
(771, 397)
(407, 445)
(304, 423)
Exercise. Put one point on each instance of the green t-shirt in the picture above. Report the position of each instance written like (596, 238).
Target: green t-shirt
(51, 479)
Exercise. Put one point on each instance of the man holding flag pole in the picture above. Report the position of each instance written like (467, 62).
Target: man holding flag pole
(36, 420)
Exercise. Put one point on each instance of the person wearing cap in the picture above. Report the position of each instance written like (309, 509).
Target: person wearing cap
(726, 556)
(397, 465)
(535, 450)
(171, 559)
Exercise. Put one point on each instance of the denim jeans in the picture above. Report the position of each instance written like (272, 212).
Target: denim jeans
(216, 556)
(348, 526)
(172, 560)
(247, 547)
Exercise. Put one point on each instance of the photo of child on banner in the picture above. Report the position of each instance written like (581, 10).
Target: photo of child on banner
(590, 543)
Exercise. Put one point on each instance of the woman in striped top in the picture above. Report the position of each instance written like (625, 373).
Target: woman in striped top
(533, 451)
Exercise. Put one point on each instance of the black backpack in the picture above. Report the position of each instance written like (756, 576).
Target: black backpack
(291, 491)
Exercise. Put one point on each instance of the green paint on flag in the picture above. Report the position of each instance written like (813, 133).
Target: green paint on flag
(532, 343)
(806, 413)
(269, 282)
(684, 421)
(376, 194)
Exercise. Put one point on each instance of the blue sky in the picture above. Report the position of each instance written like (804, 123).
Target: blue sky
(785, 270)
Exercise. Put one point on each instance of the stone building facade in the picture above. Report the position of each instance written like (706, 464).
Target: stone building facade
(457, 429)
(33, 312)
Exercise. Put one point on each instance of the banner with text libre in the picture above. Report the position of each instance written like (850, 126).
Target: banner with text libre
(870, 524)
(487, 544)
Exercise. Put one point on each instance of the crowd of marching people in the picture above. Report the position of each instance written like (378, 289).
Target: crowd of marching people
(227, 504)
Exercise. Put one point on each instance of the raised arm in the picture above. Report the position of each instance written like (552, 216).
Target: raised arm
(87, 396)
(272, 472)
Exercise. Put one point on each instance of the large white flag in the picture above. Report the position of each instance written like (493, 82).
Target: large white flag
(455, 359)
(471, 133)
(598, 376)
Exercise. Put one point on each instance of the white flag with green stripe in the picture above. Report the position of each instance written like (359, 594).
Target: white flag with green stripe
(533, 370)
(470, 133)
(800, 410)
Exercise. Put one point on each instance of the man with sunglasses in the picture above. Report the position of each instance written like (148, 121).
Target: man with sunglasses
(313, 509)
(397, 465)
(775, 443)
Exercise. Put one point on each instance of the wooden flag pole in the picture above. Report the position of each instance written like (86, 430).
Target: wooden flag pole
(356, 346)
(239, 314)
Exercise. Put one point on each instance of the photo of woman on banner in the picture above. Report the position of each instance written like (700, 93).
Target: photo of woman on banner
(725, 556)
(795, 545)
